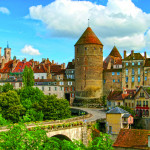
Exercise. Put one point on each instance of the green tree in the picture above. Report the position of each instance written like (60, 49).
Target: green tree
(28, 77)
(104, 101)
(6, 87)
(10, 106)
(53, 108)
(128, 109)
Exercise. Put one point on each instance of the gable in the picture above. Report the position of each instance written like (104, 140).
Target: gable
(141, 93)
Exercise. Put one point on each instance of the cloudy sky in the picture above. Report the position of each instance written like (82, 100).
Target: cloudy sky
(50, 28)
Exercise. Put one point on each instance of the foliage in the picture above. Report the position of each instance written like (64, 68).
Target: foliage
(20, 138)
(10, 106)
(53, 108)
(3, 121)
(104, 101)
(6, 87)
(103, 142)
(128, 109)
(28, 77)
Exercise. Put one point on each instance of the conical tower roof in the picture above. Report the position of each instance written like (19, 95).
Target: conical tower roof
(88, 37)
(114, 52)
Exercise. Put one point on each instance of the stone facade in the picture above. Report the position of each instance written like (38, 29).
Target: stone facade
(88, 68)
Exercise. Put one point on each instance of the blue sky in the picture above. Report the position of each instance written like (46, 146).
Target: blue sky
(51, 29)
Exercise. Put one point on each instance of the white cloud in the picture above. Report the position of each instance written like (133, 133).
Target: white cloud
(28, 49)
(120, 21)
(4, 10)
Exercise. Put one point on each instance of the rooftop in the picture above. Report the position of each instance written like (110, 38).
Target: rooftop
(114, 52)
(136, 56)
(117, 110)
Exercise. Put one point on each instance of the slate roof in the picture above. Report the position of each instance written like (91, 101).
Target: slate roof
(88, 37)
(126, 115)
(147, 62)
(137, 56)
(70, 65)
(117, 110)
(132, 138)
(114, 52)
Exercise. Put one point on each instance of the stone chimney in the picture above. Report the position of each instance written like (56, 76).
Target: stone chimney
(52, 61)
(64, 66)
(132, 53)
(125, 54)
(49, 68)
(3, 63)
(145, 55)
(148, 140)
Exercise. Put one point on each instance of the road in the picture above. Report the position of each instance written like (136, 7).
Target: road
(96, 112)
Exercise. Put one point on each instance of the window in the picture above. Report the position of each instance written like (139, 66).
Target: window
(125, 104)
(118, 80)
(94, 48)
(118, 103)
(132, 105)
(42, 88)
(126, 64)
(147, 113)
(61, 88)
(126, 71)
(138, 70)
(20, 84)
(49, 94)
(140, 103)
(61, 83)
(69, 83)
(73, 95)
(72, 88)
(132, 63)
(110, 129)
(49, 88)
(139, 63)
(109, 103)
(132, 71)
(66, 89)
(143, 112)
(85, 48)
(145, 71)
(141, 94)
(132, 79)
(126, 79)
(113, 73)
(138, 78)
(104, 81)
(145, 78)
(42, 77)
(118, 73)
(113, 80)
(55, 88)
(146, 103)
(100, 49)
(143, 103)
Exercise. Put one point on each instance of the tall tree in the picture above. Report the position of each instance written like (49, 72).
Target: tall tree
(6, 87)
(28, 77)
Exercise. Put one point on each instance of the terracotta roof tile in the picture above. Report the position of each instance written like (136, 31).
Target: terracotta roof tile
(21, 65)
(88, 37)
(117, 95)
(41, 68)
(7, 67)
(132, 138)
(55, 68)
(114, 52)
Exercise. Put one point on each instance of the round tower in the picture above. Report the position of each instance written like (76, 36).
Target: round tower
(88, 67)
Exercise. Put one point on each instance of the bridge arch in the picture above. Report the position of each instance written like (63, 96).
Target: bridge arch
(62, 137)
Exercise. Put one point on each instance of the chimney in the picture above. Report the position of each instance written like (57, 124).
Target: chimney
(64, 66)
(52, 61)
(145, 55)
(148, 140)
(132, 53)
(32, 64)
(3, 63)
(125, 54)
(49, 68)
(73, 61)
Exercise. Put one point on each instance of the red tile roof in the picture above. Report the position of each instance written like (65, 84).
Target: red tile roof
(55, 68)
(7, 67)
(114, 52)
(41, 68)
(21, 65)
(70, 65)
(88, 37)
(132, 138)
(147, 63)
(117, 95)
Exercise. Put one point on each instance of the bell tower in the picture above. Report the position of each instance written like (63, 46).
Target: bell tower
(88, 67)
(7, 53)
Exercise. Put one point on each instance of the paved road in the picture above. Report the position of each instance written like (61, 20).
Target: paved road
(97, 113)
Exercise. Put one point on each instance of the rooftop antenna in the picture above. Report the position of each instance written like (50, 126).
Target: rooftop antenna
(7, 45)
(88, 22)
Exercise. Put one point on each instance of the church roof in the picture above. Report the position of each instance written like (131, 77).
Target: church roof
(114, 52)
(88, 37)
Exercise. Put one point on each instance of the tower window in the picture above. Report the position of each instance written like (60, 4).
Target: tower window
(100, 49)
(85, 48)
(94, 48)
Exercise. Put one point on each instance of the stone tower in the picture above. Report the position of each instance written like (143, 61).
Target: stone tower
(88, 67)
(7, 53)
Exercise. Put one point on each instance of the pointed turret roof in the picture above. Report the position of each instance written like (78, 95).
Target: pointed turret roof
(88, 37)
(114, 52)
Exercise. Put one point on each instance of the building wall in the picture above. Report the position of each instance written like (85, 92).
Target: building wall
(147, 76)
(112, 80)
(130, 84)
(89, 71)
(114, 120)
(40, 75)
(112, 103)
